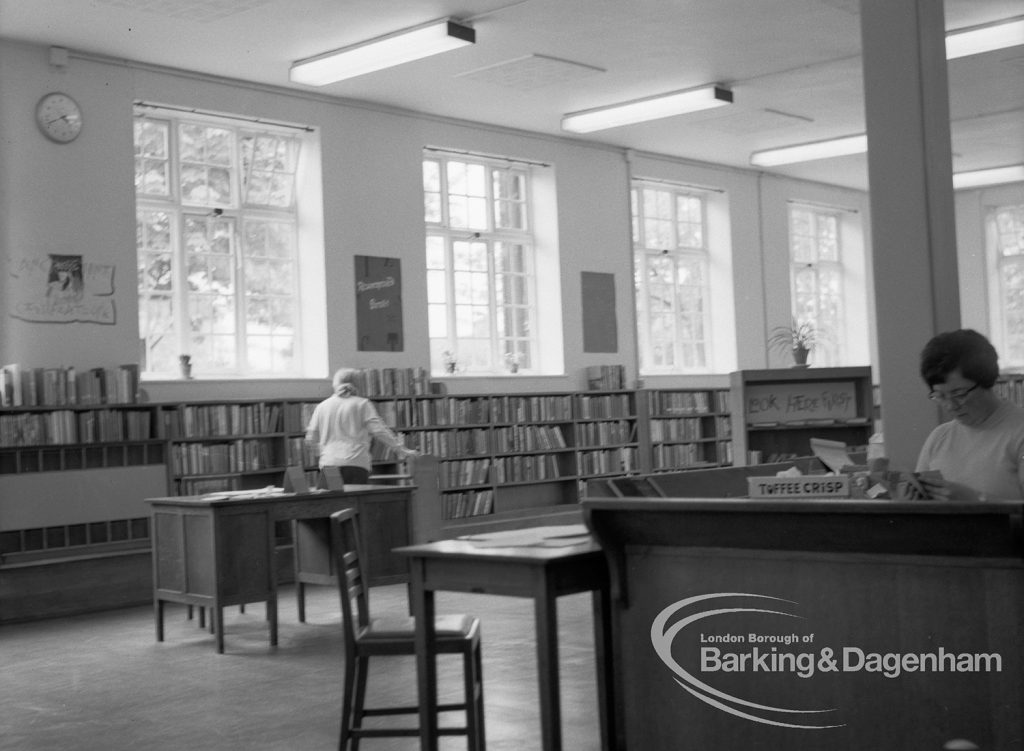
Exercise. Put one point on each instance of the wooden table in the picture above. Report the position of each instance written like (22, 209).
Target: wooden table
(540, 573)
(214, 551)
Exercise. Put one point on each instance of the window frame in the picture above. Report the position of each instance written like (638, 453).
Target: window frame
(829, 338)
(1009, 344)
(516, 350)
(181, 210)
(644, 254)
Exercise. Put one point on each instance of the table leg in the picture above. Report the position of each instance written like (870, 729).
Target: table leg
(545, 611)
(603, 655)
(272, 617)
(158, 612)
(426, 657)
(217, 622)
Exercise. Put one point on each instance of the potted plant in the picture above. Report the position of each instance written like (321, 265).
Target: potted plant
(798, 338)
(512, 359)
(449, 361)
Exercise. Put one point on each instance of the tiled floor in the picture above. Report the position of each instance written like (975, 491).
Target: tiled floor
(103, 682)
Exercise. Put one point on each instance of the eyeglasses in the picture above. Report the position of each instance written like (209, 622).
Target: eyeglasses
(954, 398)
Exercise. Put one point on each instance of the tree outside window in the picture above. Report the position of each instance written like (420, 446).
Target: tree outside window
(217, 247)
(480, 265)
(671, 263)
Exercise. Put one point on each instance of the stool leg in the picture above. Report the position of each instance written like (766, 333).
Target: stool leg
(300, 597)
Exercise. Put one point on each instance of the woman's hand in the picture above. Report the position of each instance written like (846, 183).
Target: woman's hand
(935, 486)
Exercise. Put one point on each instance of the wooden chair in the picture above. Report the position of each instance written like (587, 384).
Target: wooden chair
(367, 637)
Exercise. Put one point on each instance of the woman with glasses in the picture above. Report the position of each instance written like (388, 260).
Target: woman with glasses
(980, 451)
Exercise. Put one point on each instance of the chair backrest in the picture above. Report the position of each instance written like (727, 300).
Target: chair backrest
(352, 589)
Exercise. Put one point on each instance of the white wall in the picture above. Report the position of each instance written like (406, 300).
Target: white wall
(78, 198)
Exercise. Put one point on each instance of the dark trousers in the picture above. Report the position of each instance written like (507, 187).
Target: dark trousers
(355, 475)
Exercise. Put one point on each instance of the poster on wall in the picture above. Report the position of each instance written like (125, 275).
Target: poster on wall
(62, 289)
(378, 304)
(600, 329)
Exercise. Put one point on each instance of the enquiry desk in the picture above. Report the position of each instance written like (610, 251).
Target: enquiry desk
(814, 624)
(219, 549)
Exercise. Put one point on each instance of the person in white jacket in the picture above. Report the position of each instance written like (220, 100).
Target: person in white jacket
(343, 426)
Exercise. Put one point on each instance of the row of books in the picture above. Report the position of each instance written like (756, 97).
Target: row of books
(605, 377)
(65, 426)
(393, 381)
(526, 468)
(528, 438)
(602, 407)
(461, 505)
(677, 429)
(58, 387)
(682, 455)
(604, 433)
(210, 420)
(243, 455)
(532, 408)
(609, 461)
(688, 402)
(464, 472)
(301, 454)
(452, 442)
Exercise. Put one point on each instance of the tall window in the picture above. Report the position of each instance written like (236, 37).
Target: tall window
(481, 269)
(1005, 233)
(816, 275)
(217, 229)
(671, 273)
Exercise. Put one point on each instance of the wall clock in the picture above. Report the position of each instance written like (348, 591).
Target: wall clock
(59, 117)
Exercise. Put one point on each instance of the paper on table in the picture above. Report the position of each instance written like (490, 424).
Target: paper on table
(552, 536)
(833, 454)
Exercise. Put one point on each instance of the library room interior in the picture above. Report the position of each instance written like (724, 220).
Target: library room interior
(523, 374)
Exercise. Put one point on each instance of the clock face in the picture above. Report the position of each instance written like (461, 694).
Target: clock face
(59, 117)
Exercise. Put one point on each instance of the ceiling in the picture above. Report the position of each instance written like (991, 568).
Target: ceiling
(794, 65)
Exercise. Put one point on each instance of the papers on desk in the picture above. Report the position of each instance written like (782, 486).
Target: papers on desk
(560, 536)
(238, 495)
(833, 454)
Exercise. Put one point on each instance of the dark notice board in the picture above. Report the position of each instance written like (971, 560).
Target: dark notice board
(600, 330)
(379, 304)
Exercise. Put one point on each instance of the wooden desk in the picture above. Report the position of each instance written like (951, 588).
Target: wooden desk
(214, 552)
(830, 579)
(540, 573)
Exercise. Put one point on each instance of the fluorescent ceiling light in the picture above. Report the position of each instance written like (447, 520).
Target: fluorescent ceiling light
(995, 176)
(650, 108)
(383, 52)
(806, 152)
(984, 38)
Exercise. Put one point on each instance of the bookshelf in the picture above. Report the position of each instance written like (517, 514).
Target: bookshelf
(776, 412)
(498, 455)
(688, 429)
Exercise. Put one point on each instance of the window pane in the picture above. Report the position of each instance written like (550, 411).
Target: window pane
(478, 286)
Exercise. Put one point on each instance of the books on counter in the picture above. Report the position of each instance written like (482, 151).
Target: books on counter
(67, 386)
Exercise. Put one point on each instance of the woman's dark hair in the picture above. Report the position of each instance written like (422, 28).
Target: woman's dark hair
(965, 349)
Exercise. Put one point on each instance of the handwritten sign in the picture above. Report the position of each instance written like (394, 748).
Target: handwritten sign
(62, 289)
(803, 402)
(379, 304)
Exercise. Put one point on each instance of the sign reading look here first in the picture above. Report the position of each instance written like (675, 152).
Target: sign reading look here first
(802, 401)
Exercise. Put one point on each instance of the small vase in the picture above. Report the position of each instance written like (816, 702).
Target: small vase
(513, 367)
(449, 367)
(800, 356)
